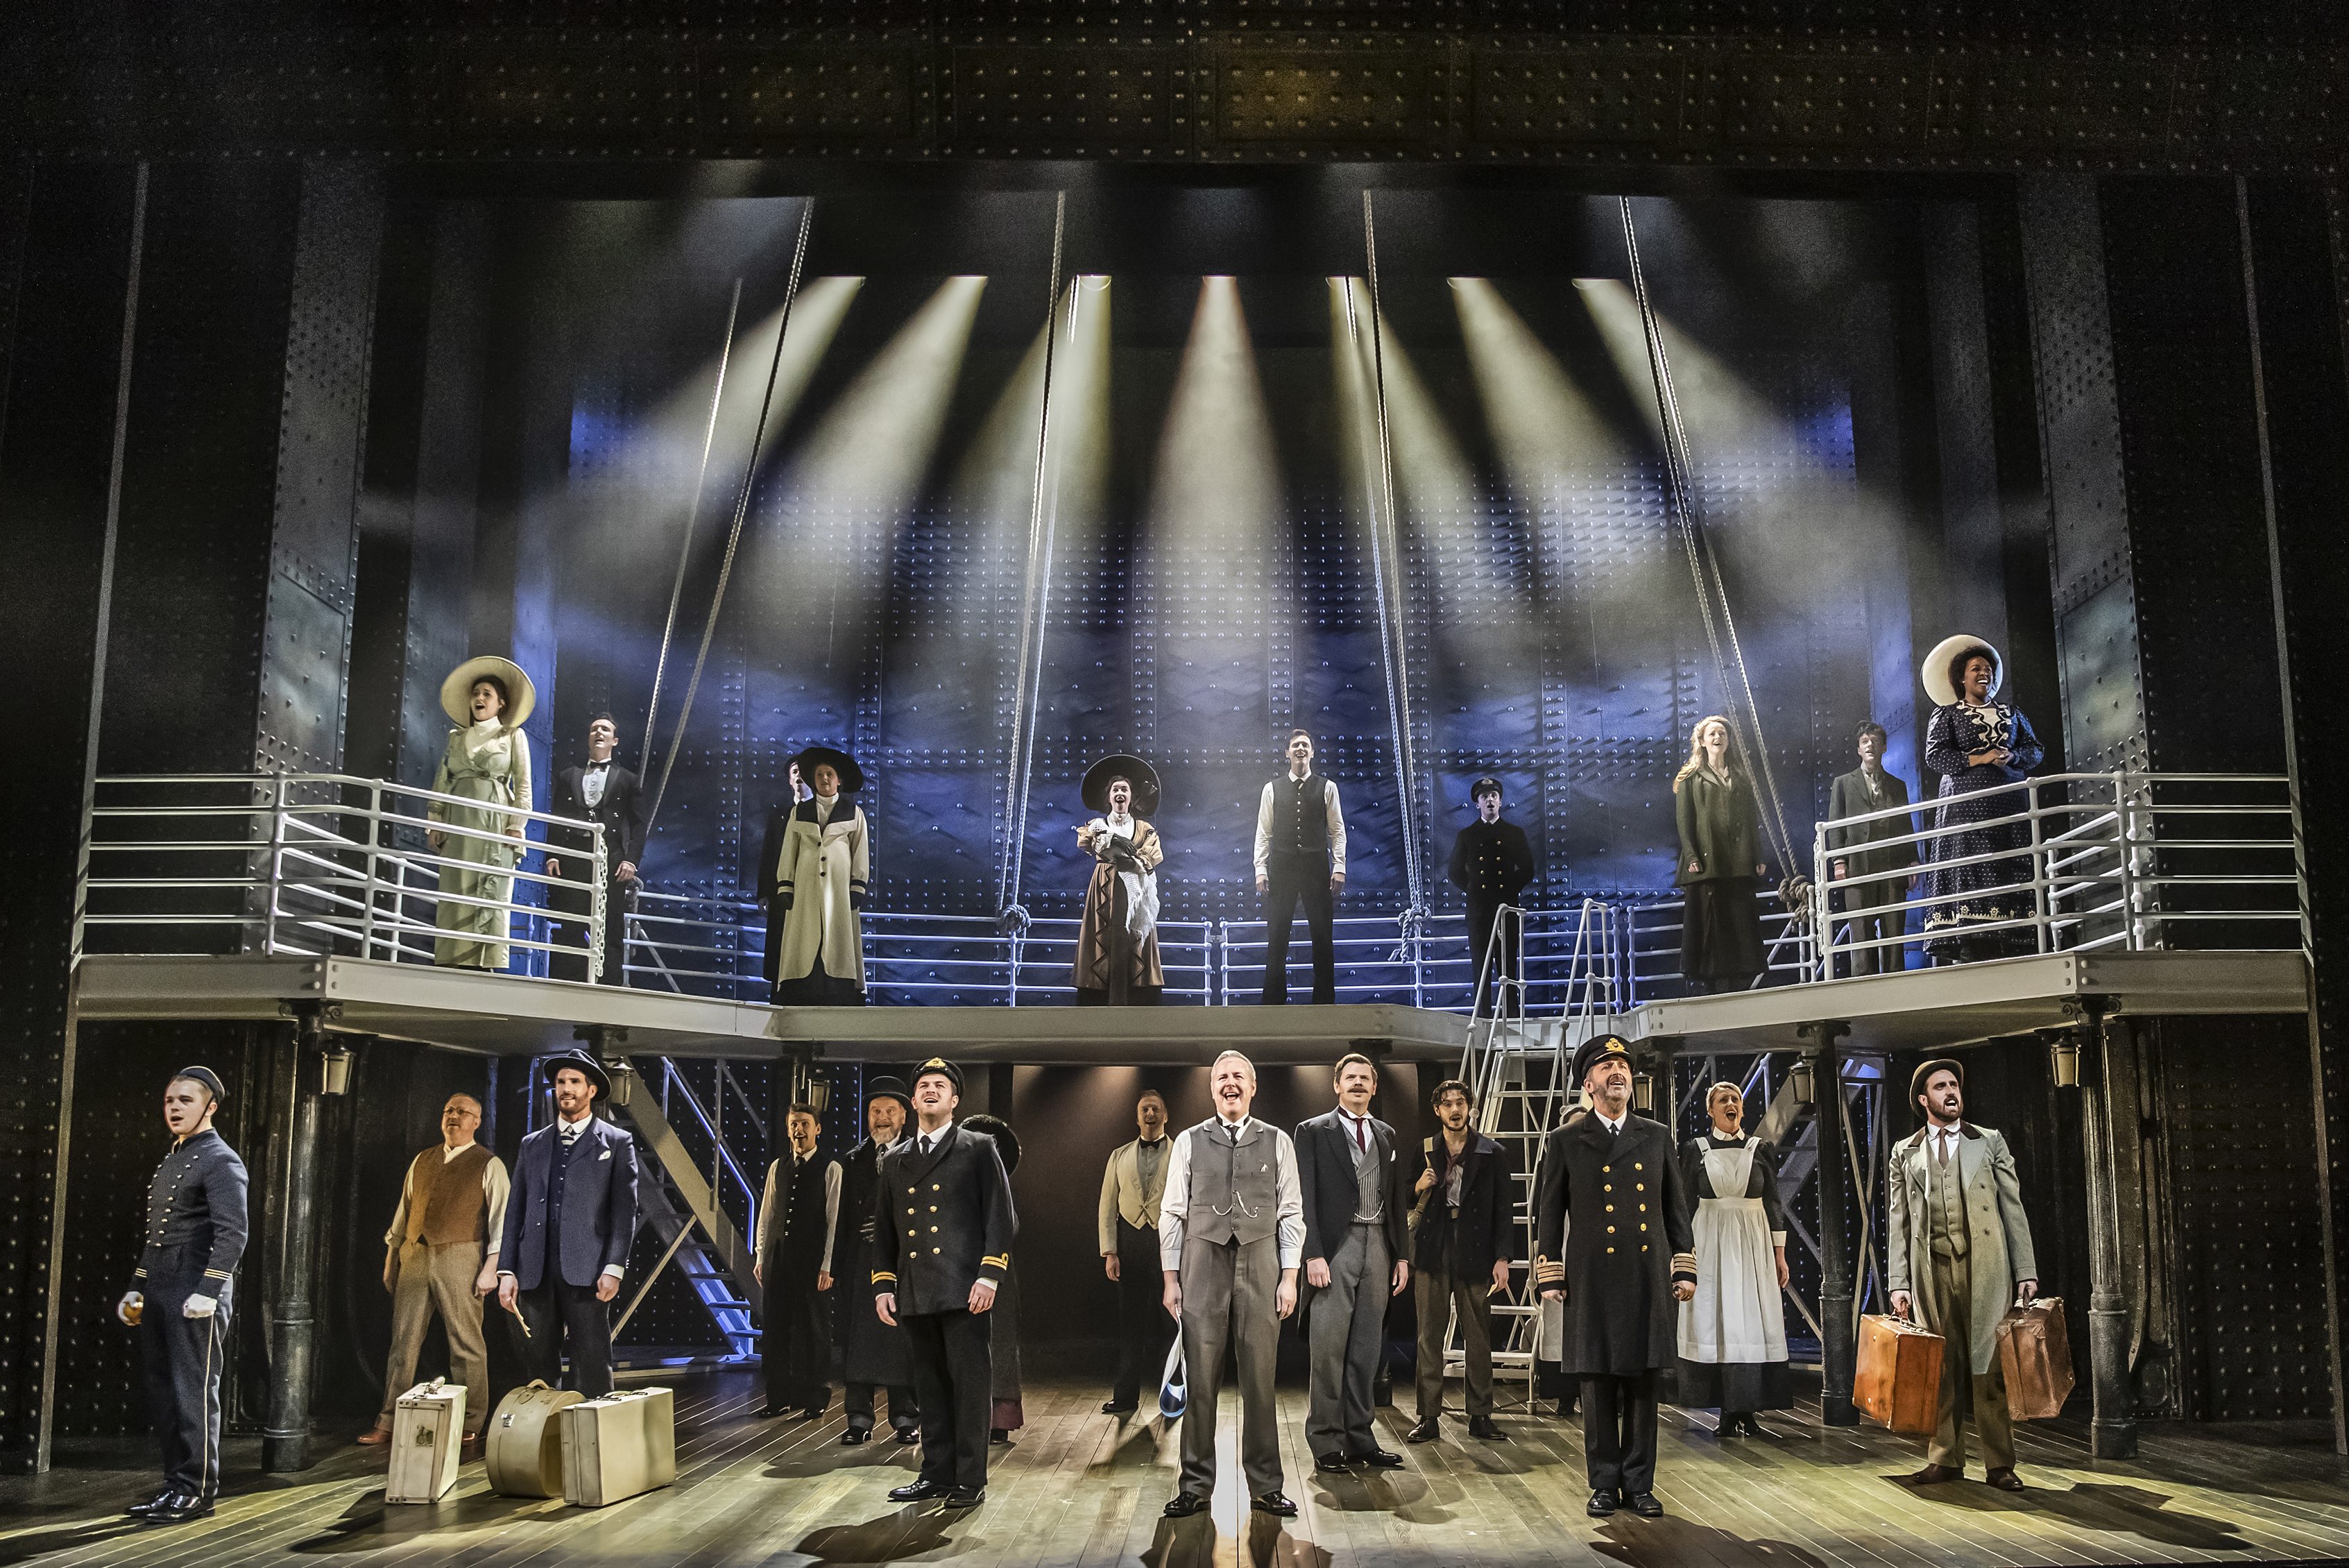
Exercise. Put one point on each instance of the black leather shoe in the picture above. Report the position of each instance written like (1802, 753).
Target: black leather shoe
(999, 1435)
(967, 1497)
(2004, 1479)
(769, 1412)
(1378, 1460)
(1331, 1464)
(908, 1436)
(179, 1508)
(141, 1508)
(813, 1413)
(1112, 1408)
(918, 1491)
(1274, 1503)
(1602, 1502)
(1482, 1426)
(855, 1434)
(1645, 1505)
(1427, 1431)
(1183, 1504)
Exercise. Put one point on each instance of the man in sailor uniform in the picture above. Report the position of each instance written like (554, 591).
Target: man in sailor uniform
(181, 1293)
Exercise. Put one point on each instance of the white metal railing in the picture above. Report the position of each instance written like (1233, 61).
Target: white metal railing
(308, 864)
(2137, 861)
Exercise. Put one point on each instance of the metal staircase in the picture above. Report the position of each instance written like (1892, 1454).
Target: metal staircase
(1514, 1068)
(683, 1210)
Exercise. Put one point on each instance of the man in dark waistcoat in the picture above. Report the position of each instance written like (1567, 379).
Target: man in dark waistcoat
(603, 791)
(1612, 1236)
(1464, 1230)
(182, 1293)
(569, 1223)
(1869, 788)
(1491, 864)
(797, 1215)
(941, 1247)
(1300, 854)
(873, 1355)
(1355, 1260)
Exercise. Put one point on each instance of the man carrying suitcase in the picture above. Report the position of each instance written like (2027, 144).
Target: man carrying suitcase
(939, 1255)
(1957, 1254)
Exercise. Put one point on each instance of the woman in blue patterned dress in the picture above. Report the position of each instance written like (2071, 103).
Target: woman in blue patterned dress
(1976, 743)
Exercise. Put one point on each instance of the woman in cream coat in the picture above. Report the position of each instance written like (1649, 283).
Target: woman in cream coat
(820, 881)
(487, 760)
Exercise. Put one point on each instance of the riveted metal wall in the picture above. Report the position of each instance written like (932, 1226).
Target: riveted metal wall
(1880, 84)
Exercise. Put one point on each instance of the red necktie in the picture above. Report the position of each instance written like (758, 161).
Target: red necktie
(1361, 1135)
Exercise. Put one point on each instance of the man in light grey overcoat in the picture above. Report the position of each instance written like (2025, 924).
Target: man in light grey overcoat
(1958, 1254)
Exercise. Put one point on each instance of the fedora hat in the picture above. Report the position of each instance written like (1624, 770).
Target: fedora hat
(1135, 770)
(588, 1064)
(457, 691)
(1935, 672)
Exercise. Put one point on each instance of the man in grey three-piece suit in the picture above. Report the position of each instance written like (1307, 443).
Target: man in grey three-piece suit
(569, 1220)
(1869, 906)
(1357, 1257)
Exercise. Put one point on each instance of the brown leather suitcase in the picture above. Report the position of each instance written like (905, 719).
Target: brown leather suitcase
(2035, 1351)
(1897, 1383)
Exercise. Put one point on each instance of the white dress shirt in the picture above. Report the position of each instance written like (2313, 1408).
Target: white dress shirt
(496, 1187)
(830, 1207)
(1288, 1197)
(592, 780)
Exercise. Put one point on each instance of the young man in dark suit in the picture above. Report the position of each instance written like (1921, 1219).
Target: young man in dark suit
(940, 1251)
(1868, 788)
(1355, 1260)
(603, 791)
(569, 1220)
(1464, 1230)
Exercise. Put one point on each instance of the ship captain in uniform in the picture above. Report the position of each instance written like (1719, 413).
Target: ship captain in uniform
(181, 1292)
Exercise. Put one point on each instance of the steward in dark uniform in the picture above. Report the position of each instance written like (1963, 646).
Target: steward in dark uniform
(1491, 863)
(1611, 1234)
(871, 1354)
(181, 1294)
(941, 1246)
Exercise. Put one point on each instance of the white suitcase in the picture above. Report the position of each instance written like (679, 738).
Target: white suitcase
(618, 1446)
(525, 1441)
(427, 1426)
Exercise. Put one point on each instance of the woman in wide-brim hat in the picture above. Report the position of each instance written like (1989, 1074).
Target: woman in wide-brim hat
(1117, 939)
(820, 880)
(1976, 743)
(486, 760)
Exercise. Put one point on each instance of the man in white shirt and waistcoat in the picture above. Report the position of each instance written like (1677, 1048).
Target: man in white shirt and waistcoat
(442, 1256)
(1300, 854)
(1231, 1234)
(1127, 1223)
(797, 1215)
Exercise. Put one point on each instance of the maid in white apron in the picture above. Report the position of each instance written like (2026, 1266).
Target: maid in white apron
(1732, 1336)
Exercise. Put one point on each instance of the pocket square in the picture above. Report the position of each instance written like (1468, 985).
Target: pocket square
(606, 1155)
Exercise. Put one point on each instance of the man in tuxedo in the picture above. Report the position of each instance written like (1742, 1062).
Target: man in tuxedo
(604, 792)
(1868, 788)
(569, 1220)
(768, 878)
(1356, 1257)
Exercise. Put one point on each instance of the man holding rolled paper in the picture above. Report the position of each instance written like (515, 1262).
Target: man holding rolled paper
(1958, 1254)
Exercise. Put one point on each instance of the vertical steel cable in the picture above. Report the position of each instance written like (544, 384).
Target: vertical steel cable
(1681, 502)
(1386, 565)
(692, 514)
(1035, 604)
(741, 512)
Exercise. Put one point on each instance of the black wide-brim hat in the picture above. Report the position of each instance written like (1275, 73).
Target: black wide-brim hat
(943, 1068)
(852, 777)
(588, 1064)
(1007, 1142)
(889, 1089)
(1141, 775)
(1594, 1050)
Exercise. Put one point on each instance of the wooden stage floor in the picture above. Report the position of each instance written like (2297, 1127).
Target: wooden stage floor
(1076, 1488)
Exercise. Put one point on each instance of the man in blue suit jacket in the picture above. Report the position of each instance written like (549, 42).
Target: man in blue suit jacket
(575, 1195)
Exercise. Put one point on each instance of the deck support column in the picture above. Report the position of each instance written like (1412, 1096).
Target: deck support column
(1839, 1352)
(293, 1317)
(2112, 1433)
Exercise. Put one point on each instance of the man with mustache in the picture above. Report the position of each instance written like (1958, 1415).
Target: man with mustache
(569, 1222)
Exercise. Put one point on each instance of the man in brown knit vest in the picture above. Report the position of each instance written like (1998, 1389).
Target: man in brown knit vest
(441, 1255)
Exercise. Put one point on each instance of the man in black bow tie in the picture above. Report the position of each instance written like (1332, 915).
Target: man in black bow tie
(603, 791)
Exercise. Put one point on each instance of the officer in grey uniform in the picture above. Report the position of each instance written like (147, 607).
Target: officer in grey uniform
(179, 1294)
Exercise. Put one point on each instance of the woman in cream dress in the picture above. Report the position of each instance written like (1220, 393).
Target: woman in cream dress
(487, 760)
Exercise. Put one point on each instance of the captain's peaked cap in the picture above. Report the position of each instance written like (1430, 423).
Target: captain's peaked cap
(1597, 1050)
(943, 1068)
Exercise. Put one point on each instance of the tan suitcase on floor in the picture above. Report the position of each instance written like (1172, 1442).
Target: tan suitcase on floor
(525, 1441)
(2035, 1350)
(427, 1426)
(618, 1446)
(1897, 1383)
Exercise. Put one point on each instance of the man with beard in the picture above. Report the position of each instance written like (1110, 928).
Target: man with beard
(1612, 1236)
(939, 1255)
(1462, 1236)
(569, 1222)
(797, 1215)
(1958, 1254)
(873, 1355)
(1127, 1220)
(1231, 1236)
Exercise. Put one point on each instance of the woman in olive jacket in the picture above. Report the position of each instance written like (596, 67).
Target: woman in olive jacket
(1720, 865)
